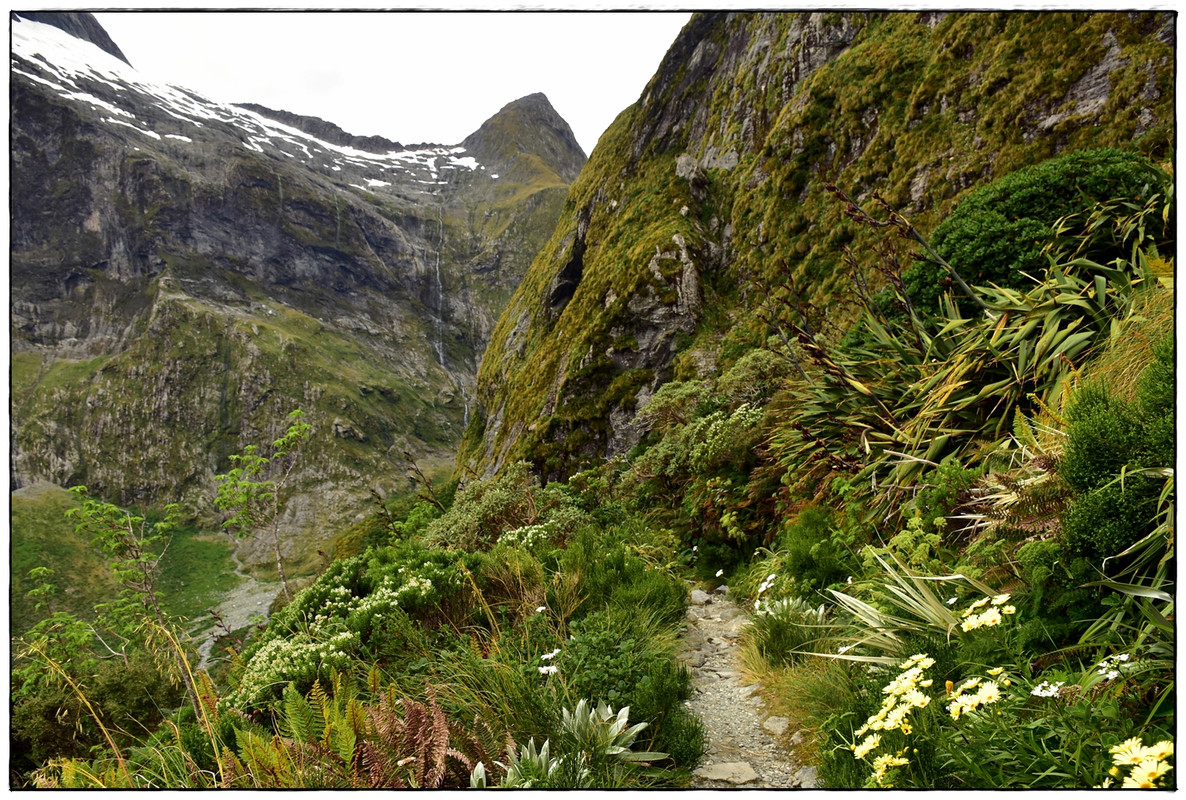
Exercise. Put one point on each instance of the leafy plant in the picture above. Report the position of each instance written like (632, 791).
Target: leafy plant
(253, 498)
(782, 629)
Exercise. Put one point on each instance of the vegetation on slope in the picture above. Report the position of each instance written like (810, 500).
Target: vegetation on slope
(920, 108)
(912, 604)
(954, 526)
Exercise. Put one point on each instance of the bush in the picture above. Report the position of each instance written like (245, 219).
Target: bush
(618, 656)
(783, 629)
(1108, 440)
(1156, 399)
(611, 575)
(1106, 521)
(1058, 605)
(1103, 435)
(811, 554)
(998, 231)
(483, 510)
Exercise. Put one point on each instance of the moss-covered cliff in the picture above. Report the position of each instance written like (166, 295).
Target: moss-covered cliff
(716, 177)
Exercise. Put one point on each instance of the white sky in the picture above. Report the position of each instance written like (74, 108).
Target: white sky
(408, 76)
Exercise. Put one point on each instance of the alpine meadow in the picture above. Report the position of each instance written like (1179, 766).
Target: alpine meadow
(816, 430)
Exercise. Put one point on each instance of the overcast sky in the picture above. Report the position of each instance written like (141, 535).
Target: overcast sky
(409, 76)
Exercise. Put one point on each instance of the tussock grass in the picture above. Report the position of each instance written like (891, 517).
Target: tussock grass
(1119, 365)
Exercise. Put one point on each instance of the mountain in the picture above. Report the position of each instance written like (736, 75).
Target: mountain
(184, 273)
(716, 178)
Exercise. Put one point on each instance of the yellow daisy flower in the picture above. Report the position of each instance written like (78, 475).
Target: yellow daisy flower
(989, 693)
(1145, 775)
(863, 749)
(1130, 751)
(1160, 751)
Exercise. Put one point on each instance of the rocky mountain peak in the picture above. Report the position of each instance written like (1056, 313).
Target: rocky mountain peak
(80, 24)
(527, 126)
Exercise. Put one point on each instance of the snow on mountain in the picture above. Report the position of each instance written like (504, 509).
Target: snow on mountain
(82, 72)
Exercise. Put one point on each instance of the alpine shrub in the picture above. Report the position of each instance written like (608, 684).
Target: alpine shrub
(998, 232)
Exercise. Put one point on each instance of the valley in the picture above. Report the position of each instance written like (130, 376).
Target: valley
(816, 431)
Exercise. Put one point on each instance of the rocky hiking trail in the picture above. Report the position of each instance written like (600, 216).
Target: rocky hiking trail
(745, 746)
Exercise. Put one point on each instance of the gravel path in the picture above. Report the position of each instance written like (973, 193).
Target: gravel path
(746, 747)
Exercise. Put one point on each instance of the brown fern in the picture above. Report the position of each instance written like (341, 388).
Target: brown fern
(412, 749)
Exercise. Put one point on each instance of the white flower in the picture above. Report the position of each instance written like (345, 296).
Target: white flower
(720, 572)
(551, 655)
(551, 669)
(757, 603)
(951, 601)
(1045, 689)
(540, 610)
(845, 649)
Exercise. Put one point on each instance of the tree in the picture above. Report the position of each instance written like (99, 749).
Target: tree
(134, 546)
(252, 490)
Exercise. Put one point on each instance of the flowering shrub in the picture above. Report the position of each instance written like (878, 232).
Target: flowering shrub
(903, 695)
(1001, 728)
(990, 617)
(529, 537)
(335, 620)
(301, 659)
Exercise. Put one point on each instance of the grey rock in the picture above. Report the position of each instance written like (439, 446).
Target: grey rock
(807, 777)
(734, 772)
(699, 597)
(776, 725)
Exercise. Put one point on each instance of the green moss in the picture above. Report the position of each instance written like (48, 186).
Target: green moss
(921, 115)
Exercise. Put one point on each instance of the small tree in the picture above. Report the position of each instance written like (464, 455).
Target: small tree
(134, 546)
(252, 490)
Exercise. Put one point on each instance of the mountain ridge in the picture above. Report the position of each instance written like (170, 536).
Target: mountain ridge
(189, 272)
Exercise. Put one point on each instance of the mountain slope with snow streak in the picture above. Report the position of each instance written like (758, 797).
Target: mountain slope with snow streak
(186, 272)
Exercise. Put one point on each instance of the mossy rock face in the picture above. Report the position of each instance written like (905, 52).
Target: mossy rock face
(723, 163)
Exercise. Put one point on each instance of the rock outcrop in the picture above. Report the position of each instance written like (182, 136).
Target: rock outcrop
(702, 190)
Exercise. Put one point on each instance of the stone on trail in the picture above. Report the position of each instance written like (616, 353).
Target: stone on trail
(776, 725)
(699, 597)
(807, 777)
(735, 772)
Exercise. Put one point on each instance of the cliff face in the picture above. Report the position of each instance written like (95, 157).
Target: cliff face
(716, 176)
(184, 273)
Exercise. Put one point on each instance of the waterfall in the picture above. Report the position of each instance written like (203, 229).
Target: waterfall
(440, 309)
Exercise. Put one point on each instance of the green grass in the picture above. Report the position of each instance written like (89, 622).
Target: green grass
(195, 571)
(42, 536)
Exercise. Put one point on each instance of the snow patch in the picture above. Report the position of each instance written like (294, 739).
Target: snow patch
(153, 134)
(67, 63)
